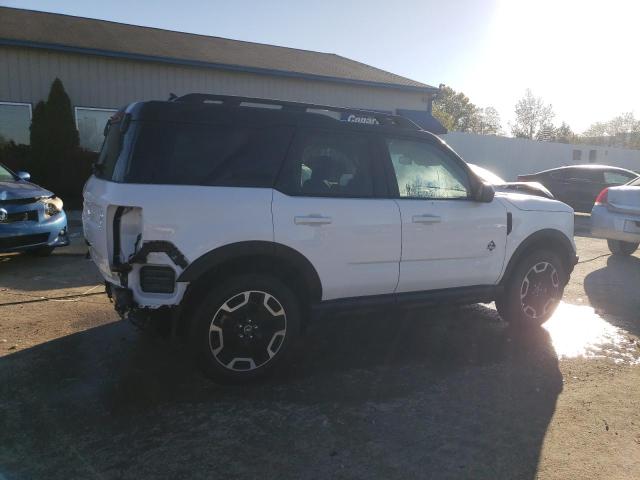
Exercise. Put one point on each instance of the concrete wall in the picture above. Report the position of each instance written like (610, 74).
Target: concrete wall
(93, 81)
(509, 157)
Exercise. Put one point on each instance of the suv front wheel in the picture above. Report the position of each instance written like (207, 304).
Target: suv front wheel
(245, 327)
(534, 290)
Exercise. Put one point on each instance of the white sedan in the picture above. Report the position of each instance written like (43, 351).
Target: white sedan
(616, 217)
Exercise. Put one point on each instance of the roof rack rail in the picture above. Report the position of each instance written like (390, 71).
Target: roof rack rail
(361, 115)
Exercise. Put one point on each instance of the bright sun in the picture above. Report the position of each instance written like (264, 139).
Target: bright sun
(578, 55)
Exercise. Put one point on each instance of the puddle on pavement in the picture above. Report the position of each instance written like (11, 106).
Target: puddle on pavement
(578, 331)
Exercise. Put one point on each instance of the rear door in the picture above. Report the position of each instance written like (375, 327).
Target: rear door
(448, 239)
(330, 205)
(581, 186)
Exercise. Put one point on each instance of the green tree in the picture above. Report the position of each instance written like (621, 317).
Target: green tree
(38, 140)
(534, 119)
(454, 110)
(62, 132)
(564, 134)
(621, 131)
(487, 122)
(54, 137)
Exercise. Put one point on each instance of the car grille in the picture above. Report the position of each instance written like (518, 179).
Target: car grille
(20, 201)
(30, 216)
(23, 240)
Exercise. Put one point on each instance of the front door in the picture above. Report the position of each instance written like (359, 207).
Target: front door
(448, 239)
(329, 205)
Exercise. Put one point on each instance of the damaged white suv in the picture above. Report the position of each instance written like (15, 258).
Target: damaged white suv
(239, 219)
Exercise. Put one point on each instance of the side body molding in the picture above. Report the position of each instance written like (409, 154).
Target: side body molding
(256, 248)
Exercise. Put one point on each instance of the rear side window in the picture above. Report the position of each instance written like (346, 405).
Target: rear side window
(196, 154)
(110, 151)
(616, 178)
(330, 164)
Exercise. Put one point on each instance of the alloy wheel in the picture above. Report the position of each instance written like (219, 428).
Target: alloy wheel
(247, 331)
(540, 290)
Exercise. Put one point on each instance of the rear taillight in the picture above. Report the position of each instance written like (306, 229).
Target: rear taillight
(603, 197)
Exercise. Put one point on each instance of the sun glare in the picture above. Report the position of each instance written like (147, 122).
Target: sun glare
(577, 55)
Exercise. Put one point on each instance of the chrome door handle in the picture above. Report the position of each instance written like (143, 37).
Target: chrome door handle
(426, 219)
(312, 220)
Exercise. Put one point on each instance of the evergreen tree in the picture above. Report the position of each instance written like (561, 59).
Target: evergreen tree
(54, 137)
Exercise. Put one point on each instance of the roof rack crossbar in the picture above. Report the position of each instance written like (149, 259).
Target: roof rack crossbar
(233, 100)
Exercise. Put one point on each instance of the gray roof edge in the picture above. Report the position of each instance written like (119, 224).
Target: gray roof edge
(217, 66)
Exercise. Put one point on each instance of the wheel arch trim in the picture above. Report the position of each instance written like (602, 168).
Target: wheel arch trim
(547, 236)
(238, 250)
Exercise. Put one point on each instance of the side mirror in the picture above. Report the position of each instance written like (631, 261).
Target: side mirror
(484, 193)
(26, 176)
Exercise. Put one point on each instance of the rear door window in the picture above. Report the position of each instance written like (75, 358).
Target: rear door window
(208, 155)
(331, 164)
(617, 178)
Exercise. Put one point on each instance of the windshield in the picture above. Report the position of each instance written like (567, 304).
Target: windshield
(6, 175)
(635, 183)
(486, 175)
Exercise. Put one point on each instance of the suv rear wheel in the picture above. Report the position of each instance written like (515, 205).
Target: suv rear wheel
(618, 247)
(534, 290)
(245, 328)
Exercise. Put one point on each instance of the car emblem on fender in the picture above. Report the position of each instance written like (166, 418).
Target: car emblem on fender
(3, 215)
(491, 246)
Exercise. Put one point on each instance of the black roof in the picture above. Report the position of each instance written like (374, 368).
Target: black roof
(204, 108)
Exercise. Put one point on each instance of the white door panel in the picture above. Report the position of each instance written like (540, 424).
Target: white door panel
(451, 243)
(353, 243)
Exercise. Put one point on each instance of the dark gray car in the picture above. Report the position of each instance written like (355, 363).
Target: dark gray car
(579, 185)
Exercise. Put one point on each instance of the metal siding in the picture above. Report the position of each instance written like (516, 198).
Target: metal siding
(107, 82)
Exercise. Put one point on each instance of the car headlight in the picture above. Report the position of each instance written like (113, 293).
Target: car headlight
(52, 206)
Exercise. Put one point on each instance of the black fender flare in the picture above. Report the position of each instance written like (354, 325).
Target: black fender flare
(233, 251)
(545, 236)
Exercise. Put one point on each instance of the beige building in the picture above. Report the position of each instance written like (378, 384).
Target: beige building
(105, 65)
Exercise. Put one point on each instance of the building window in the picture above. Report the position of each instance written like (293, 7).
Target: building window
(15, 120)
(593, 154)
(90, 123)
(577, 155)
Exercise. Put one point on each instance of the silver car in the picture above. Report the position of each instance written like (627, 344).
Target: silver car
(616, 217)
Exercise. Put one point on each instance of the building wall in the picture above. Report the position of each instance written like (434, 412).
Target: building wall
(509, 157)
(93, 81)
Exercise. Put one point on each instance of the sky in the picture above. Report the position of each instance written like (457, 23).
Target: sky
(578, 55)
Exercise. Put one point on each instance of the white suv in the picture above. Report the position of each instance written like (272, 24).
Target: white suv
(239, 219)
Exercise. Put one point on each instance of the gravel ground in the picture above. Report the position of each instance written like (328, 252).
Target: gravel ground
(431, 393)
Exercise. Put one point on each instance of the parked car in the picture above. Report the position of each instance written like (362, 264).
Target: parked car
(31, 218)
(499, 184)
(579, 185)
(239, 223)
(616, 217)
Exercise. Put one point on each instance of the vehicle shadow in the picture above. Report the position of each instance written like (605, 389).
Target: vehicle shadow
(615, 289)
(30, 273)
(446, 393)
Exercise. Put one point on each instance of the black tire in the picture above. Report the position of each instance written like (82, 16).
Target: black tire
(41, 252)
(545, 278)
(618, 247)
(244, 328)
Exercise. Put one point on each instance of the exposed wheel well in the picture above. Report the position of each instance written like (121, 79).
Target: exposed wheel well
(289, 269)
(552, 240)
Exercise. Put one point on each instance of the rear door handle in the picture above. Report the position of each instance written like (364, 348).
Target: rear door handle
(426, 219)
(311, 220)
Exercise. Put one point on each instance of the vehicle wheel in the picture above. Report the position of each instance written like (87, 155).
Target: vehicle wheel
(41, 252)
(245, 328)
(618, 247)
(534, 290)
